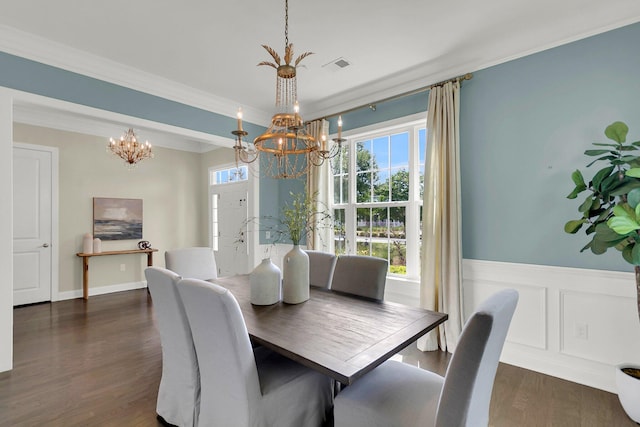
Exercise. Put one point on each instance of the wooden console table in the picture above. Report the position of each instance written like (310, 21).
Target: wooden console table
(85, 264)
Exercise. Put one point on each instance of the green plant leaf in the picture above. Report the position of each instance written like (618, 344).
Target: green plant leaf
(609, 182)
(635, 254)
(633, 198)
(627, 253)
(601, 144)
(587, 246)
(606, 234)
(628, 158)
(601, 175)
(612, 158)
(633, 172)
(596, 152)
(623, 224)
(604, 214)
(586, 205)
(573, 226)
(599, 247)
(617, 131)
(576, 191)
(577, 178)
(625, 188)
(624, 210)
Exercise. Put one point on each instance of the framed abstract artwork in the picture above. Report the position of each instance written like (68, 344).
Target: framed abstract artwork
(117, 219)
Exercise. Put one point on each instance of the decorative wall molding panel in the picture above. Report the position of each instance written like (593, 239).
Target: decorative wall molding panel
(571, 323)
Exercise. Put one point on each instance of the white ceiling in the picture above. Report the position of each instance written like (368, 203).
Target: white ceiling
(206, 52)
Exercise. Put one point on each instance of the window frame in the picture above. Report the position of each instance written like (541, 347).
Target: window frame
(411, 124)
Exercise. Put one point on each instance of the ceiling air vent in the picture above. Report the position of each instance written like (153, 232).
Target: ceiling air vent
(337, 64)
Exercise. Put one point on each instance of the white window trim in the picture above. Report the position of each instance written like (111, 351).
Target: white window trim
(411, 123)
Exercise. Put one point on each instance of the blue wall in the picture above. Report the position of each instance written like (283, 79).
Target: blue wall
(384, 111)
(34, 77)
(524, 127)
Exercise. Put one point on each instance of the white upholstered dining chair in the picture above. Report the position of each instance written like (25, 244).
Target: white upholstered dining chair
(361, 275)
(179, 392)
(397, 394)
(321, 266)
(195, 262)
(240, 387)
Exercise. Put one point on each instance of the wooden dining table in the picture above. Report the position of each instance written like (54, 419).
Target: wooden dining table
(340, 335)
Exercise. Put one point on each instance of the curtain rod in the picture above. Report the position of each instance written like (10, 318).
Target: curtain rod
(372, 105)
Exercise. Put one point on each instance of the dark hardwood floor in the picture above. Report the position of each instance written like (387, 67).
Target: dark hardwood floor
(98, 363)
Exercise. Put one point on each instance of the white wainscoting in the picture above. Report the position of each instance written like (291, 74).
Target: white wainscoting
(575, 324)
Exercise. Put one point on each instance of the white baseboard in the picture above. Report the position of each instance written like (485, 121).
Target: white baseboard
(77, 293)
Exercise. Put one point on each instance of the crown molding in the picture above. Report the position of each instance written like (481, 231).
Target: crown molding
(42, 50)
(55, 54)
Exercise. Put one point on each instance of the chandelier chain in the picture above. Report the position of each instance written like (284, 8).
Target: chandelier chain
(286, 23)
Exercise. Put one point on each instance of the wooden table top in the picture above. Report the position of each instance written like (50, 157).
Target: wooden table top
(339, 335)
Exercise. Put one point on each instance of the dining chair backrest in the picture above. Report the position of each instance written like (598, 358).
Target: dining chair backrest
(179, 392)
(194, 263)
(404, 395)
(360, 275)
(230, 384)
(468, 383)
(321, 267)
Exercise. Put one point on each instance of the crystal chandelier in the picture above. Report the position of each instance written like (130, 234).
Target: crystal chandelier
(129, 149)
(287, 149)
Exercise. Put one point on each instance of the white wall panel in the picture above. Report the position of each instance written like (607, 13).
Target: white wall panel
(571, 323)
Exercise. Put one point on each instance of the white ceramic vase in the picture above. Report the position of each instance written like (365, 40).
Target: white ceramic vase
(97, 246)
(265, 282)
(295, 282)
(629, 392)
(87, 244)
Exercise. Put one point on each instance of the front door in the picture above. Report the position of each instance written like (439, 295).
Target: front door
(32, 227)
(229, 227)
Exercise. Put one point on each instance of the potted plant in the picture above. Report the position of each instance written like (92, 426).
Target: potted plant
(611, 214)
(299, 218)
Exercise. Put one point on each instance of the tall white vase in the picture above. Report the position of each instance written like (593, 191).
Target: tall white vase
(265, 282)
(295, 283)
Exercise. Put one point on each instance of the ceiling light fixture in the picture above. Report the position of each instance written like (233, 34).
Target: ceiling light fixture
(129, 149)
(288, 149)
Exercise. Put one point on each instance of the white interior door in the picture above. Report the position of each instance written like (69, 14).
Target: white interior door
(229, 228)
(32, 225)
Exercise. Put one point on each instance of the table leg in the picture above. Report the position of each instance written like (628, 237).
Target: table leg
(149, 259)
(85, 278)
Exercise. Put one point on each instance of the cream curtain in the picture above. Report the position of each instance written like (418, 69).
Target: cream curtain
(441, 266)
(318, 183)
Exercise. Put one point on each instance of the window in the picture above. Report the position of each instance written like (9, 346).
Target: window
(377, 195)
(225, 176)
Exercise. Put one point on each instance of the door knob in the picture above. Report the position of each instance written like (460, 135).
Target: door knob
(45, 245)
